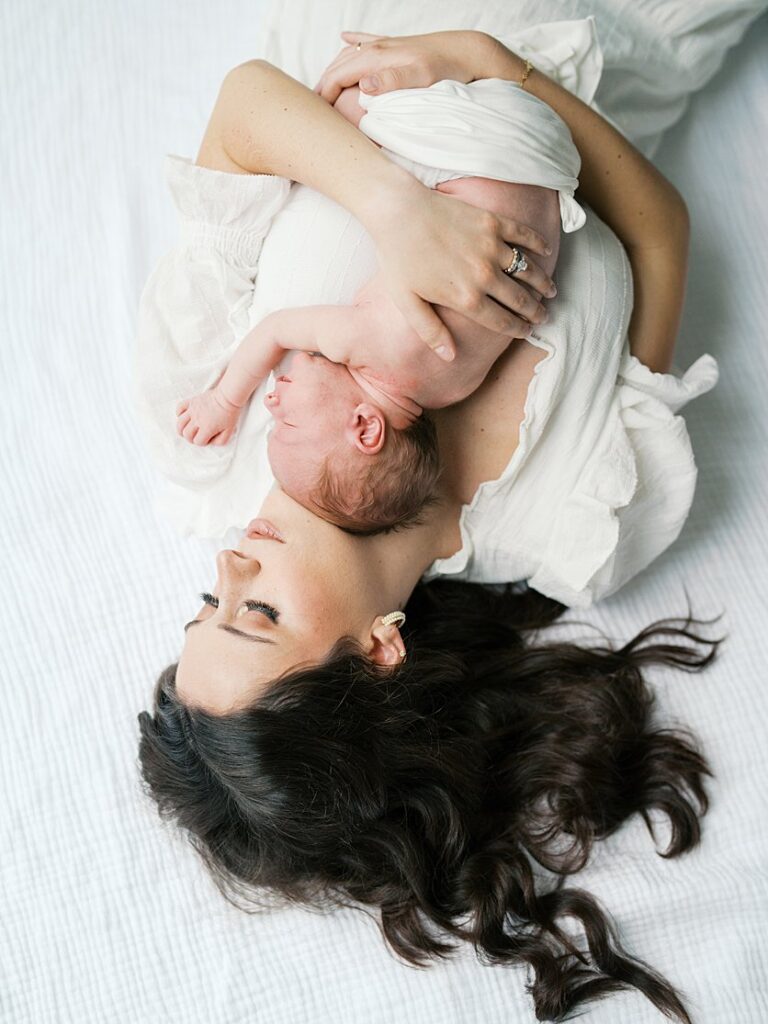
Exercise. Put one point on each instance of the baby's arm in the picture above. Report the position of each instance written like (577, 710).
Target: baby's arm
(336, 332)
(211, 417)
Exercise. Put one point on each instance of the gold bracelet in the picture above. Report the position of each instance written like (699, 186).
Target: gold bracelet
(526, 73)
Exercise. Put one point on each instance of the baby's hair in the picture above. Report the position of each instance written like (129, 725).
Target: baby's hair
(393, 488)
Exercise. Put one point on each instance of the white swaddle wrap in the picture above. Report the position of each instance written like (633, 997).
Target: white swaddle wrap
(485, 129)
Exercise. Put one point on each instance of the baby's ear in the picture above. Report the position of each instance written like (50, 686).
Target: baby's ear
(366, 429)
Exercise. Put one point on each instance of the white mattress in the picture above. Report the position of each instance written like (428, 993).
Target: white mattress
(107, 916)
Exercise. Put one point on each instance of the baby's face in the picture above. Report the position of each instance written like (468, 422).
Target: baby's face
(311, 405)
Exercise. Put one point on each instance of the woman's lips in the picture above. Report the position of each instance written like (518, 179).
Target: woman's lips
(263, 528)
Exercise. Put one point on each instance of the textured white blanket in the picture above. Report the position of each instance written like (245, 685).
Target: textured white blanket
(106, 915)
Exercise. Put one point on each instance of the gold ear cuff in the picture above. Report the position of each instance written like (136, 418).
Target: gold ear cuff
(394, 618)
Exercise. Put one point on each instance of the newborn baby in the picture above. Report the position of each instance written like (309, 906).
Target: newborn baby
(351, 441)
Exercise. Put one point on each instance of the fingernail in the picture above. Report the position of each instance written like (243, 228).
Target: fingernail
(552, 292)
(369, 83)
(444, 353)
(548, 250)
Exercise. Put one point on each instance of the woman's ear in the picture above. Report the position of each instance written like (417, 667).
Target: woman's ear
(386, 645)
(366, 429)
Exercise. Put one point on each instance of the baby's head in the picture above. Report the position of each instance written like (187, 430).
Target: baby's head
(333, 450)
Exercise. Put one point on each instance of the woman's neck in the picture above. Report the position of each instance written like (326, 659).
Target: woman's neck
(400, 558)
(381, 570)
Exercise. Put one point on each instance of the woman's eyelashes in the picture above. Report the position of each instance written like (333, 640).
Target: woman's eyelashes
(253, 606)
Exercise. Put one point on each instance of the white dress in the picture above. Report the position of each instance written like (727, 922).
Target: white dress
(603, 475)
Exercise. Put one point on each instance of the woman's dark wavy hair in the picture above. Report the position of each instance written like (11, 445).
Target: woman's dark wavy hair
(432, 791)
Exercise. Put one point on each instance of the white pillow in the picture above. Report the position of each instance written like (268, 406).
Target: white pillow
(656, 52)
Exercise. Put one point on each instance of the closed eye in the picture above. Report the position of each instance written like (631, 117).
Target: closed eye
(253, 606)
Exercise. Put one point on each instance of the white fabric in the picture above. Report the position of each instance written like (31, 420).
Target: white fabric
(656, 52)
(603, 477)
(486, 129)
(193, 313)
(107, 915)
(495, 129)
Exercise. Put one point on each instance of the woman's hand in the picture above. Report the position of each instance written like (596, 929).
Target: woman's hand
(436, 249)
(383, 63)
(433, 249)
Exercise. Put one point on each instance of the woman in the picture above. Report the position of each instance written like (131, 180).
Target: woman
(346, 760)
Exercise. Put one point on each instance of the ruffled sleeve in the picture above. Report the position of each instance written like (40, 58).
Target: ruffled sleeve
(227, 213)
(194, 310)
(635, 492)
(671, 389)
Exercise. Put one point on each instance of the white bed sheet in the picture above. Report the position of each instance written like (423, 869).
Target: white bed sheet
(106, 915)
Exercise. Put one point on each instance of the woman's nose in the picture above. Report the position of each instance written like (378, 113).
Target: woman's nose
(232, 564)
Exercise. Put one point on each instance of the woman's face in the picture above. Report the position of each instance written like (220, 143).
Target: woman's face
(277, 602)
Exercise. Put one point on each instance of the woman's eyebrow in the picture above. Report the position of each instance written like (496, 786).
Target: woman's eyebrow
(235, 632)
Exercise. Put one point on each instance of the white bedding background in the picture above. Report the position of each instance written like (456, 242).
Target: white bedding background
(105, 914)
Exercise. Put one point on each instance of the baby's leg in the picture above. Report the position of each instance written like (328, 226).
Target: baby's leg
(348, 106)
(537, 207)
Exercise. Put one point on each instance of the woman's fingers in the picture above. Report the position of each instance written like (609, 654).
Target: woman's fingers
(516, 233)
(349, 69)
(518, 299)
(406, 76)
(376, 65)
(499, 319)
(368, 70)
(427, 324)
(533, 276)
(360, 37)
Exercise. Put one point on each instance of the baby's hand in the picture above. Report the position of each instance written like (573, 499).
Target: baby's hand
(207, 418)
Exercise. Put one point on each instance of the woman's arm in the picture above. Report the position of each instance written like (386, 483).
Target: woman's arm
(432, 249)
(634, 199)
(624, 189)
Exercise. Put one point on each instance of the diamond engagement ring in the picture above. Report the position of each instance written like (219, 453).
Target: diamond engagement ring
(519, 262)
